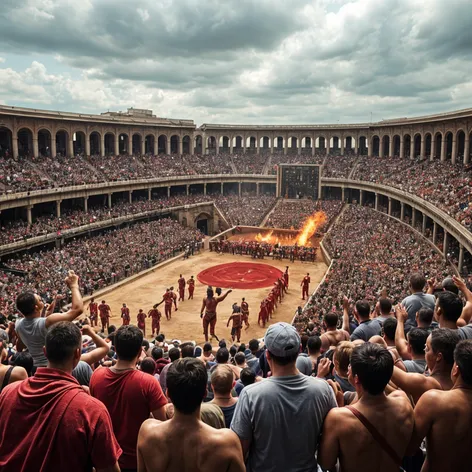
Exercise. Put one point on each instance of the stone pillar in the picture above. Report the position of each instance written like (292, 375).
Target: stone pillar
(402, 147)
(29, 215)
(231, 146)
(413, 217)
(461, 258)
(342, 194)
(35, 147)
(361, 197)
(143, 146)
(102, 145)
(156, 144)
(299, 142)
(130, 196)
(257, 189)
(217, 148)
(433, 149)
(258, 150)
(342, 146)
(389, 206)
(412, 148)
(376, 201)
(370, 148)
(168, 192)
(381, 147)
(425, 219)
(286, 146)
(188, 189)
(435, 232)
(204, 189)
(117, 144)
(467, 149)
(356, 146)
(239, 188)
(327, 146)
(149, 194)
(443, 149)
(313, 142)
(422, 148)
(109, 200)
(53, 146)
(446, 243)
(86, 204)
(58, 208)
(87, 145)
(167, 145)
(222, 188)
(15, 148)
(454, 150)
(390, 147)
(402, 211)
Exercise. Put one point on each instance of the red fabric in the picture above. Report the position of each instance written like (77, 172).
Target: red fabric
(104, 310)
(130, 397)
(48, 423)
(244, 275)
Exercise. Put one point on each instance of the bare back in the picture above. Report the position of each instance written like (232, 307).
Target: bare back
(172, 446)
(333, 338)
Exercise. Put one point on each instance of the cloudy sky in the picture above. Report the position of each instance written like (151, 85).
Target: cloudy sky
(239, 61)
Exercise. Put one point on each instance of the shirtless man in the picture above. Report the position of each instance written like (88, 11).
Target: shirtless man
(182, 284)
(93, 309)
(305, 284)
(125, 315)
(167, 299)
(245, 312)
(439, 355)
(142, 321)
(444, 418)
(155, 316)
(333, 336)
(286, 278)
(105, 313)
(370, 371)
(176, 445)
(174, 298)
(209, 305)
(263, 314)
(237, 318)
(191, 287)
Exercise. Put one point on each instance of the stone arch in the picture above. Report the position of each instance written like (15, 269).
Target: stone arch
(279, 143)
(349, 144)
(460, 145)
(264, 143)
(186, 144)
(251, 142)
(149, 140)
(225, 143)
(78, 139)
(386, 145)
(135, 143)
(417, 144)
(124, 143)
(162, 144)
(109, 142)
(428, 140)
(62, 142)
(203, 222)
(438, 137)
(238, 143)
(293, 143)
(211, 144)
(375, 145)
(6, 141)
(44, 142)
(335, 143)
(25, 142)
(174, 144)
(363, 146)
(448, 138)
(95, 139)
(306, 143)
(321, 143)
(198, 144)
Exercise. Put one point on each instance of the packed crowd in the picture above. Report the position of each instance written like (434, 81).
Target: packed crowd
(338, 167)
(293, 158)
(247, 163)
(293, 213)
(100, 260)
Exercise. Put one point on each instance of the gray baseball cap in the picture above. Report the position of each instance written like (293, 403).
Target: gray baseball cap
(282, 340)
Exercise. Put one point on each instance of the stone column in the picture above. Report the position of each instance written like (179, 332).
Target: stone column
(467, 149)
(435, 232)
(29, 215)
(342, 146)
(376, 201)
(130, 196)
(446, 243)
(402, 147)
(381, 147)
(412, 148)
(313, 142)
(53, 146)
(299, 142)
(433, 149)
(87, 145)
(361, 197)
(117, 144)
(109, 200)
(327, 146)
(425, 219)
(35, 147)
(402, 211)
(390, 147)
(413, 217)
(86, 204)
(370, 144)
(168, 192)
(217, 149)
(258, 150)
(143, 146)
(102, 145)
(286, 146)
(239, 188)
(422, 148)
(58, 208)
(356, 146)
(272, 145)
(257, 189)
(222, 188)
(342, 194)
(156, 145)
(461, 258)
(231, 146)
(389, 206)
(167, 145)
(204, 189)
(71, 148)
(15, 148)
(149, 194)
(443, 149)
(188, 189)
(454, 150)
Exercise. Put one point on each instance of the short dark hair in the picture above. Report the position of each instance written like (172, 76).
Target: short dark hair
(111, 329)
(160, 338)
(451, 305)
(233, 350)
(207, 347)
(284, 360)
(463, 359)
(363, 308)
(145, 344)
(157, 353)
(385, 306)
(389, 327)
(25, 303)
(188, 350)
(222, 355)
(417, 339)
(222, 343)
(417, 281)
(373, 365)
(62, 340)
(247, 376)
(449, 285)
(314, 344)
(148, 365)
(304, 339)
(444, 340)
(174, 354)
(242, 348)
(240, 358)
(331, 319)
(23, 359)
(128, 342)
(425, 315)
(254, 345)
(186, 384)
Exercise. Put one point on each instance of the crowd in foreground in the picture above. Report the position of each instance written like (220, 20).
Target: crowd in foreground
(396, 377)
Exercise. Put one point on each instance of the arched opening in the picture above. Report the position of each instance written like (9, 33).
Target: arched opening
(407, 145)
(460, 145)
(78, 139)
(293, 144)
(135, 144)
(306, 145)
(265, 143)
(375, 146)
(25, 142)
(123, 144)
(438, 138)
(62, 138)
(238, 143)
(448, 143)
(417, 145)
(198, 148)
(427, 144)
(225, 144)
(6, 142)
(280, 143)
(174, 144)
(44, 142)
(336, 144)
(149, 144)
(95, 143)
(110, 145)
(322, 143)
(186, 145)
(386, 146)
(162, 144)
(396, 145)
(363, 149)
(251, 143)
(211, 145)
(202, 222)
(349, 145)
(467, 156)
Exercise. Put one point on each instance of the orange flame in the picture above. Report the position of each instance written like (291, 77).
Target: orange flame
(311, 224)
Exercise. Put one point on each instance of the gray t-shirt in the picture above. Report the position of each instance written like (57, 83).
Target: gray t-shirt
(32, 332)
(417, 366)
(366, 330)
(304, 364)
(414, 303)
(465, 332)
(283, 418)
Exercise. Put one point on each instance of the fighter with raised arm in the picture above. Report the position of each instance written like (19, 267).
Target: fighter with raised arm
(209, 305)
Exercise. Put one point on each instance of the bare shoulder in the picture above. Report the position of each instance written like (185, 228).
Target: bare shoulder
(400, 397)
(339, 415)
(152, 429)
(223, 436)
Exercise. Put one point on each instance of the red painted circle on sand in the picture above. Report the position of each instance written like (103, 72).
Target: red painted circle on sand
(240, 275)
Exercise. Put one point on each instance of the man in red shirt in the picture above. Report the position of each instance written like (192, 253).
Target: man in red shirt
(245, 312)
(167, 299)
(182, 284)
(305, 285)
(174, 298)
(49, 422)
(286, 278)
(93, 309)
(105, 313)
(142, 321)
(191, 287)
(155, 316)
(125, 315)
(130, 395)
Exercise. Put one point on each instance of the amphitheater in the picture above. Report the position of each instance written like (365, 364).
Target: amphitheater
(67, 177)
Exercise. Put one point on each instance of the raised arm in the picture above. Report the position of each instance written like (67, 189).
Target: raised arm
(411, 383)
(99, 352)
(466, 315)
(345, 326)
(77, 306)
(430, 290)
(220, 299)
(400, 339)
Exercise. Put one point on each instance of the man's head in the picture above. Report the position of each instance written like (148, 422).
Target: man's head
(362, 309)
(148, 365)
(417, 341)
(103, 302)
(207, 348)
(417, 282)
(440, 345)
(240, 359)
(448, 307)
(342, 357)
(331, 320)
(449, 285)
(28, 303)
(210, 293)
(222, 380)
(389, 327)
(385, 306)
(222, 355)
(283, 344)
(63, 345)
(174, 354)
(462, 369)
(188, 350)
(157, 353)
(253, 345)
(371, 368)
(160, 338)
(424, 317)
(314, 345)
(187, 384)
(23, 359)
(128, 342)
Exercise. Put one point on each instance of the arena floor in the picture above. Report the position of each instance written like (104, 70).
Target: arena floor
(186, 323)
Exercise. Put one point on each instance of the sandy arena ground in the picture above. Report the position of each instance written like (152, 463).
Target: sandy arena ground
(186, 323)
